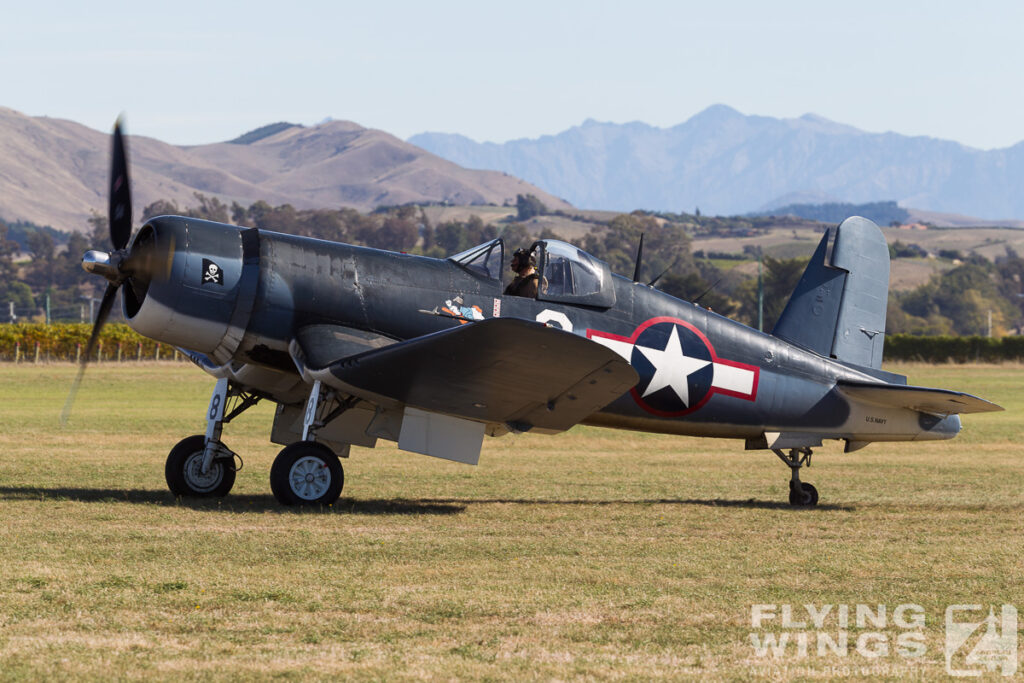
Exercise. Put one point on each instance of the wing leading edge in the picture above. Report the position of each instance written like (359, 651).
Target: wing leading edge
(501, 370)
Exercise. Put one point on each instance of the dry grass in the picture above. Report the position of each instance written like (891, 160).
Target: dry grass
(594, 554)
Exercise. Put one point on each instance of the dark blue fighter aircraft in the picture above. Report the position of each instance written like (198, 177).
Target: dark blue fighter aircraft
(356, 344)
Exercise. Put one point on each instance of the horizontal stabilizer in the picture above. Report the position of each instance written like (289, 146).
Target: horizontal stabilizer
(922, 399)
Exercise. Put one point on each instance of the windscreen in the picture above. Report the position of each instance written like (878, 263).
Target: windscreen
(484, 259)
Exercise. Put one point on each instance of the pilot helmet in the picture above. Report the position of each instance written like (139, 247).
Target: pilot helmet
(523, 255)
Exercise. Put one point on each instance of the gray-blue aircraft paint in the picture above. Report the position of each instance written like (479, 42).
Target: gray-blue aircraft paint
(357, 344)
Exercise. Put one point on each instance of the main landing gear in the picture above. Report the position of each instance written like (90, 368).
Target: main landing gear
(185, 475)
(201, 466)
(304, 473)
(307, 472)
(801, 494)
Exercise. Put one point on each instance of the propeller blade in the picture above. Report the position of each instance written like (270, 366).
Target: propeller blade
(120, 208)
(162, 269)
(148, 262)
(101, 319)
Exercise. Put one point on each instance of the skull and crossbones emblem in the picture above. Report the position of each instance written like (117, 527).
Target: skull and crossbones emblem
(212, 273)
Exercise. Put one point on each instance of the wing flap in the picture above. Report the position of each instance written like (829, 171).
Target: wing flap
(500, 370)
(922, 399)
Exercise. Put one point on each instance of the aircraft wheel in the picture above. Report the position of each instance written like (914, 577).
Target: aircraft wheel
(306, 473)
(807, 496)
(184, 471)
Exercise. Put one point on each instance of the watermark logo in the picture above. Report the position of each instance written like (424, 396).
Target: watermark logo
(976, 643)
(872, 631)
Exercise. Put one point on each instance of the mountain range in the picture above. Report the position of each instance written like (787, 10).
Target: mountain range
(724, 162)
(54, 171)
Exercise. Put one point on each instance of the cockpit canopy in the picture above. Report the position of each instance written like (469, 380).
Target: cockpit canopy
(571, 275)
(568, 274)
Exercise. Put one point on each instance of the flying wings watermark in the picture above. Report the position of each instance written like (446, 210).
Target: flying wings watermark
(979, 639)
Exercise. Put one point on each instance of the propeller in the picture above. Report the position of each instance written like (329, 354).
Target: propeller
(118, 266)
(120, 206)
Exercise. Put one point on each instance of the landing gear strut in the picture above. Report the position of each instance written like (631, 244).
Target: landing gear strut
(801, 494)
(307, 472)
(201, 465)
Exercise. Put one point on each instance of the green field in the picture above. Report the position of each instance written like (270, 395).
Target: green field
(593, 554)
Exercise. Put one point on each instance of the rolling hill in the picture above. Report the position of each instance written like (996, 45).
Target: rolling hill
(54, 171)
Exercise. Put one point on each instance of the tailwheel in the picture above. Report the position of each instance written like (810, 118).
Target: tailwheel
(306, 473)
(800, 494)
(184, 470)
(806, 496)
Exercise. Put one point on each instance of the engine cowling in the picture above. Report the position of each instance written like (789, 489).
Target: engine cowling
(199, 284)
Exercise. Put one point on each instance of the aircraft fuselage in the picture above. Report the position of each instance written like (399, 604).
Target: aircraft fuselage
(237, 296)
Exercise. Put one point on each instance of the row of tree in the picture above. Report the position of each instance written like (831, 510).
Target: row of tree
(960, 301)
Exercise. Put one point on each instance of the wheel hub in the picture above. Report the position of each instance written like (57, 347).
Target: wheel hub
(310, 477)
(194, 477)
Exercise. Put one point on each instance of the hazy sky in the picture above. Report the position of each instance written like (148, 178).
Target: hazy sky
(193, 72)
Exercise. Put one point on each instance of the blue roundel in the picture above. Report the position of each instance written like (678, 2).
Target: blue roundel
(675, 368)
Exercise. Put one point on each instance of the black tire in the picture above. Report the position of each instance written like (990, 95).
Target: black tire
(183, 476)
(807, 496)
(306, 473)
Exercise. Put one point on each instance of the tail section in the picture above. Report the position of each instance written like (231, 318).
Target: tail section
(838, 308)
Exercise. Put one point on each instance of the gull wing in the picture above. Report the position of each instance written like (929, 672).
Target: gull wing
(519, 373)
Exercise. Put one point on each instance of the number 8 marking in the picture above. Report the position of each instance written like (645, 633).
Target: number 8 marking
(215, 406)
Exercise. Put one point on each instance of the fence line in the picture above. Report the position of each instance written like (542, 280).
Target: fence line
(37, 343)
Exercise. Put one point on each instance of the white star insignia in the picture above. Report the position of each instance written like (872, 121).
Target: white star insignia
(672, 367)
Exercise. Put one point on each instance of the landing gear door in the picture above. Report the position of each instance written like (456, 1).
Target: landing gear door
(571, 275)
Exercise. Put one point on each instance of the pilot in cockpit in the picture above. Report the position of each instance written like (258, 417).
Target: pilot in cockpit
(526, 282)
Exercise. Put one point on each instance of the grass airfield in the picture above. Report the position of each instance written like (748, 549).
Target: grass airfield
(593, 554)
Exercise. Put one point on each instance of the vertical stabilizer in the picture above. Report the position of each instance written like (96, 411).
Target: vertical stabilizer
(838, 308)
